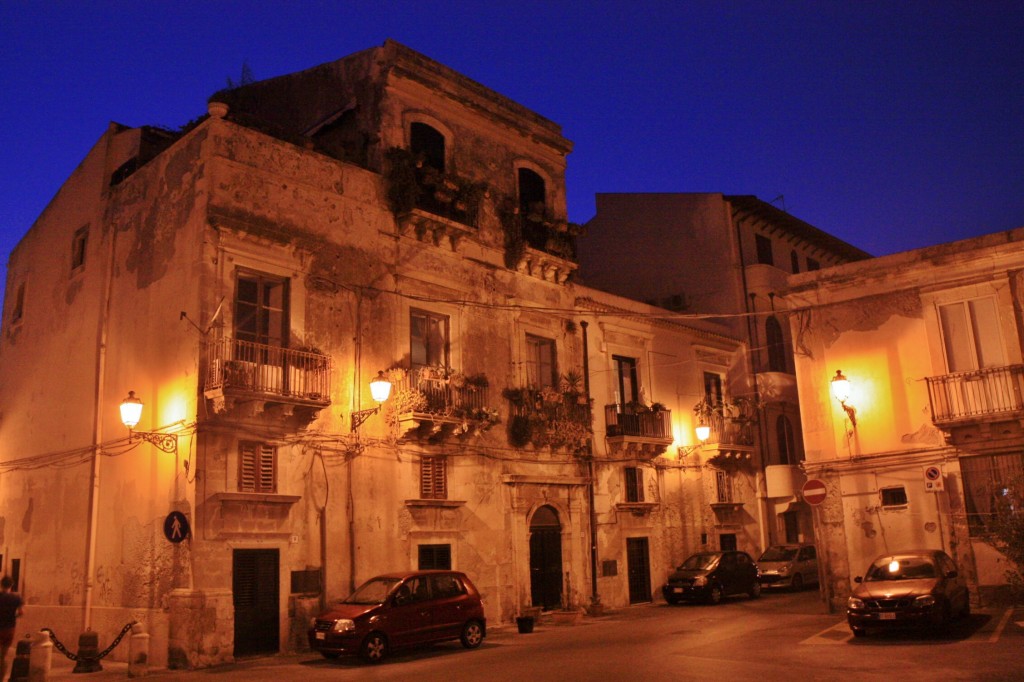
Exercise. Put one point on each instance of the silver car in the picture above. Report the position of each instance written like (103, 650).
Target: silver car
(791, 566)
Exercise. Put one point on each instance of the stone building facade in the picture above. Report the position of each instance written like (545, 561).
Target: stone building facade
(930, 342)
(246, 278)
(708, 255)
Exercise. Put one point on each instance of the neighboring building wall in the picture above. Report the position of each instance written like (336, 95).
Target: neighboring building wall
(706, 254)
(879, 323)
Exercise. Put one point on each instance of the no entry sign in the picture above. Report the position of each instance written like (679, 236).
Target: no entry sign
(814, 491)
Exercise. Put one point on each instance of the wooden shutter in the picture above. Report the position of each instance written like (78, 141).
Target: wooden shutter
(257, 468)
(433, 478)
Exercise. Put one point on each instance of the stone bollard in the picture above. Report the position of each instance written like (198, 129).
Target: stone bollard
(88, 653)
(39, 660)
(138, 652)
(19, 668)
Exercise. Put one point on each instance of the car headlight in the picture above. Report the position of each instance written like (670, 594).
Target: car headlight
(784, 570)
(855, 603)
(924, 601)
(700, 581)
(343, 625)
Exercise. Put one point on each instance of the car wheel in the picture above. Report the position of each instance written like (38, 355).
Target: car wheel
(941, 617)
(859, 632)
(671, 601)
(472, 634)
(965, 612)
(715, 596)
(797, 583)
(755, 590)
(374, 648)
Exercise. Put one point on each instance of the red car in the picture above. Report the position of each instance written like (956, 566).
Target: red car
(399, 610)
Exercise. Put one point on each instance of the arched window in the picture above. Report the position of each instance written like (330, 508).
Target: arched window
(427, 143)
(786, 440)
(776, 345)
(532, 191)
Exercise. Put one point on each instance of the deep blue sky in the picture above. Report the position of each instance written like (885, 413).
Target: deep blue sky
(892, 125)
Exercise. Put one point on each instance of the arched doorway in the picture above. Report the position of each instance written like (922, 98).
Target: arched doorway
(546, 559)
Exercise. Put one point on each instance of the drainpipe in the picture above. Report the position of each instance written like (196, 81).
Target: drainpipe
(762, 503)
(595, 598)
(97, 436)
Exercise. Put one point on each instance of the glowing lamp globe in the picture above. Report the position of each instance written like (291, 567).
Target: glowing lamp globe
(131, 410)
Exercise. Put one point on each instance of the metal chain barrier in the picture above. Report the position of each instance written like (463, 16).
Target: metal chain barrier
(75, 657)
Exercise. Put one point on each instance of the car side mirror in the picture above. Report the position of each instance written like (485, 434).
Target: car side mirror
(858, 579)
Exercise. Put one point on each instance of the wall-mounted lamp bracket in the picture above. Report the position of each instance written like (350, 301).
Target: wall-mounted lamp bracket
(165, 442)
(359, 416)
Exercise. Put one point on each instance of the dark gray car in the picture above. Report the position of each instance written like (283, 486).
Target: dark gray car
(709, 576)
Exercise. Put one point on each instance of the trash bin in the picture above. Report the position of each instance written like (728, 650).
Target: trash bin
(525, 624)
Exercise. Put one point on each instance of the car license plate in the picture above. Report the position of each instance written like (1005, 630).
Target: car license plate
(321, 635)
(677, 590)
(887, 616)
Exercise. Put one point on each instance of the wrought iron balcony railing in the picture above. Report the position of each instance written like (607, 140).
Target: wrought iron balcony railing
(980, 394)
(638, 422)
(730, 430)
(244, 366)
(441, 394)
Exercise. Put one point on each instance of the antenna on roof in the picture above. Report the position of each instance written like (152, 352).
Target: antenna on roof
(781, 201)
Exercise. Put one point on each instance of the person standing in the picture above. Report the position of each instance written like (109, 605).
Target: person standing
(10, 609)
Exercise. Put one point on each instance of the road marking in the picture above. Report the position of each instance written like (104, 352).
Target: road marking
(1002, 624)
(836, 634)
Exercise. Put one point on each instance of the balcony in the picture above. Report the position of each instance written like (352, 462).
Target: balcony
(551, 418)
(978, 404)
(731, 438)
(434, 203)
(261, 375)
(435, 402)
(638, 429)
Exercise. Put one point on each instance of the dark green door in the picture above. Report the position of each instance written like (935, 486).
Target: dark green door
(546, 559)
(257, 612)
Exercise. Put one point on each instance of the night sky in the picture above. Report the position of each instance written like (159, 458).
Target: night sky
(892, 125)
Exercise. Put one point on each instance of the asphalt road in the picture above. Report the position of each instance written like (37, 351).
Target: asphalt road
(781, 636)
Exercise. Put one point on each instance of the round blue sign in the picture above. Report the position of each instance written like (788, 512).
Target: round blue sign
(176, 527)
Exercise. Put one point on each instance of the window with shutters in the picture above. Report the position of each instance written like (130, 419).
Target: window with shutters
(724, 484)
(257, 468)
(634, 484)
(540, 362)
(428, 339)
(433, 478)
(261, 309)
(970, 335)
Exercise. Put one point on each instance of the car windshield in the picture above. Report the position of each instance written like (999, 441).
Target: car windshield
(901, 568)
(779, 554)
(372, 591)
(699, 562)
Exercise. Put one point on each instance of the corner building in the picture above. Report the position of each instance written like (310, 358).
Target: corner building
(246, 278)
(928, 439)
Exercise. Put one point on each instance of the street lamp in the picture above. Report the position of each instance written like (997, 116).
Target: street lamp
(841, 391)
(380, 389)
(703, 432)
(131, 413)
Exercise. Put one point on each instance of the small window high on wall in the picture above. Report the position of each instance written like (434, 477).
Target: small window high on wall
(427, 143)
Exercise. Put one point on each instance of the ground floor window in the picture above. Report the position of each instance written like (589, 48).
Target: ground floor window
(435, 557)
(986, 479)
